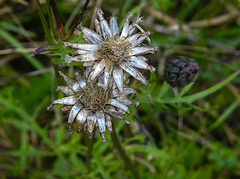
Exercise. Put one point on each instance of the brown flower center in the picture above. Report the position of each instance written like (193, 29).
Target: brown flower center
(94, 98)
(113, 51)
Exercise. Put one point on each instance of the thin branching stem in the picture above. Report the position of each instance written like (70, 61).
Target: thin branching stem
(117, 144)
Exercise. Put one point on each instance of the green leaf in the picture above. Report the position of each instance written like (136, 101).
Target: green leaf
(149, 150)
(163, 90)
(225, 114)
(185, 89)
(44, 23)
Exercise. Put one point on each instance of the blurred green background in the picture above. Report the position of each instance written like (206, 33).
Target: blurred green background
(35, 143)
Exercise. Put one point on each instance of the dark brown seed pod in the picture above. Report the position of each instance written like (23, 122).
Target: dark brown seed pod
(180, 71)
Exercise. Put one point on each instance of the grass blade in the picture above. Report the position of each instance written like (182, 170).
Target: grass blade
(225, 114)
(44, 23)
(15, 43)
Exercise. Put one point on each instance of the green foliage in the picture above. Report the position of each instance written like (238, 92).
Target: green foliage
(35, 142)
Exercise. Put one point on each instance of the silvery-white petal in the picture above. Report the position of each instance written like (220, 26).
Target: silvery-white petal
(115, 93)
(65, 108)
(131, 39)
(135, 73)
(142, 58)
(91, 120)
(101, 80)
(81, 80)
(135, 25)
(70, 59)
(91, 35)
(87, 57)
(132, 27)
(81, 119)
(88, 47)
(106, 32)
(118, 104)
(70, 82)
(87, 71)
(125, 28)
(80, 52)
(97, 69)
(114, 26)
(127, 101)
(98, 27)
(141, 50)
(101, 124)
(140, 39)
(101, 121)
(66, 90)
(124, 100)
(121, 111)
(107, 75)
(74, 111)
(129, 91)
(112, 111)
(118, 78)
(88, 64)
(139, 63)
(109, 123)
(70, 100)
(86, 39)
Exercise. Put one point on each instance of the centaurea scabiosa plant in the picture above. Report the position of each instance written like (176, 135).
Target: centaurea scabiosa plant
(100, 95)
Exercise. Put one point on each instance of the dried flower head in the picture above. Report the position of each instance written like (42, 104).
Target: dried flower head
(113, 51)
(92, 105)
(180, 71)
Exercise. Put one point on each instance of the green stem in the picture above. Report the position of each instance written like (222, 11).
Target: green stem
(50, 18)
(123, 154)
(89, 152)
(44, 22)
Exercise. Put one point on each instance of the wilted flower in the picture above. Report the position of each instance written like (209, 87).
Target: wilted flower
(91, 104)
(113, 51)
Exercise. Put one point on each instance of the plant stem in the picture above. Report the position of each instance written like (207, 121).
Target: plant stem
(89, 152)
(123, 154)
(44, 23)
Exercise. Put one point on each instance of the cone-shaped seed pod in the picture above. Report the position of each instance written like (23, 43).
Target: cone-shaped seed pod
(180, 72)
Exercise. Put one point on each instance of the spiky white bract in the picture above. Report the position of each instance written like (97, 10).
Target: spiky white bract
(112, 51)
(91, 105)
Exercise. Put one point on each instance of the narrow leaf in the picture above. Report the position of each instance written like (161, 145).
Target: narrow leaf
(44, 22)
(225, 114)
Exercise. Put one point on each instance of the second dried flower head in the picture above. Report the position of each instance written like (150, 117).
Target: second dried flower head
(91, 105)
